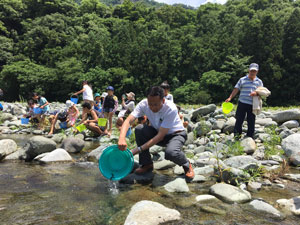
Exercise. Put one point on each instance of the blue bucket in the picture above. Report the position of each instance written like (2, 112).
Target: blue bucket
(37, 110)
(74, 100)
(115, 164)
(129, 132)
(24, 120)
(1, 107)
(63, 125)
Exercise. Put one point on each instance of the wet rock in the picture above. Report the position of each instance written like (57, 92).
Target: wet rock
(291, 148)
(199, 179)
(205, 171)
(241, 162)
(291, 206)
(94, 155)
(206, 198)
(72, 145)
(38, 145)
(138, 178)
(7, 146)
(163, 165)
(58, 138)
(213, 210)
(229, 193)
(17, 155)
(283, 116)
(202, 111)
(254, 186)
(231, 175)
(177, 185)
(264, 207)
(57, 155)
(150, 213)
(292, 177)
(291, 124)
(249, 145)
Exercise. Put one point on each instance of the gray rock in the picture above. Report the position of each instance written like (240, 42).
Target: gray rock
(38, 145)
(199, 179)
(291, 206)
(94, 155)
(229, 193)
(72, 144)
(218, 125)
(291, 124)
(202, 111)
(241, 161)
(265, 122)
(178, 170)
(199, 149)
(209, 209)
(79, 136)
(17, 110)
(229, 125)
(7, 146)
(254, 186)
(37, 132)
(58, 138)
(264, 207)
(6, 117)
(163, 165)
(291, 148)
(190, 138)
(285, 133)
(57, 155)
(177, 185)
(206, 198)
(292, 177)
(138, 178)
(202, 128)
(206, 170)
(17, 155)
(209, 161)
(249, 145)
(264, 137)
(150, 213)
(283, 116)
(156, 149)
(204, 155)
(232, 175)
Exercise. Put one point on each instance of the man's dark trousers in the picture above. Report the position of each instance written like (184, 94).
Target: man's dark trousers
(241, 112)
(172, 142)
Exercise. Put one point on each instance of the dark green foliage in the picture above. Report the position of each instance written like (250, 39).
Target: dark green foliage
(51, 46)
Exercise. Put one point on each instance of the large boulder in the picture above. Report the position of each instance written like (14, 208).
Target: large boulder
(291, 124)
(6, 117)
(18, 110)
(58, 155)
(229, 125)
(218, 125)
(38, 145)
(265, 122)
(283, 116)
(229, 193)
(177, 185)
(150, 213)
(7, 146)
(291, 147)
(72, 144)
(94, 155)
(202, 111)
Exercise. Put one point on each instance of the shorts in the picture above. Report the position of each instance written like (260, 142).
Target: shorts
(108, 110)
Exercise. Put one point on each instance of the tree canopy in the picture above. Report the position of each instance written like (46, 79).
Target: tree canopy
(51, 46)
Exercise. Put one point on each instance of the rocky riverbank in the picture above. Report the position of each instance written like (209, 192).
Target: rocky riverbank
(244, 167)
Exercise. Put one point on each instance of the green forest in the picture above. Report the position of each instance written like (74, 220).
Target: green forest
(51, 46)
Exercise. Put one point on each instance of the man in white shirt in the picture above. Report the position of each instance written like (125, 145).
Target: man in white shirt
(166, 129)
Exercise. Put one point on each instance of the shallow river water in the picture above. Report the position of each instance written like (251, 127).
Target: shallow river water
(76, 193)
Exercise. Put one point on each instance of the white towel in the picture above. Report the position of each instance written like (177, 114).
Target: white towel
(257, 102)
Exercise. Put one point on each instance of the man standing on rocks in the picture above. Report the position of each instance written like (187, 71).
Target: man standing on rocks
(247, 86)
(165, 129)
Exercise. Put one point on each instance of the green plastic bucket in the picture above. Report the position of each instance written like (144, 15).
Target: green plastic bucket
(102, 122)
(227, 107)
(81, 127)
(115, 164)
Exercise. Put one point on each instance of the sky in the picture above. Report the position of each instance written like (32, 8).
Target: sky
(194, 3)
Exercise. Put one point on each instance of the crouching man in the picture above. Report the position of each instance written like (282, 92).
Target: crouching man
(165, 129)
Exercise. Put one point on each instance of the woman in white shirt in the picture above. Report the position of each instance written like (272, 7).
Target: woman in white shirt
(87, 93)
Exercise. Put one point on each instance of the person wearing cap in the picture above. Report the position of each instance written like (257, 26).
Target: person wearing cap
(246, 86)
(104, 94)
(110, 106)
(87, 93)
(165, 129)
(68, 115)
(127, 108)
(97, 103)
(166, 88)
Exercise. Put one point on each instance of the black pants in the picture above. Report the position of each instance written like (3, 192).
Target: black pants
(241, 112)
(172, 142)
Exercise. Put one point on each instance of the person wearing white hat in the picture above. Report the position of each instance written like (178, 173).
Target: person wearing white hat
(127, 108)
(247, 86)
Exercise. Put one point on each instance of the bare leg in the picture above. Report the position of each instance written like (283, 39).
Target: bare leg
(110, 115)
(53, 122)
(119, 123)
(93, 127)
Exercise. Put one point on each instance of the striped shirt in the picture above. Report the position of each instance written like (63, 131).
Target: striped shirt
(246, 86)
